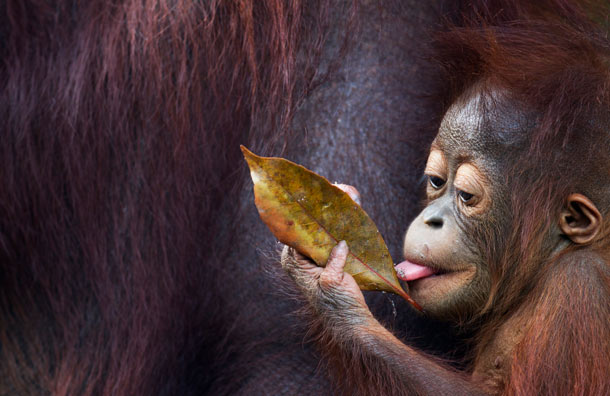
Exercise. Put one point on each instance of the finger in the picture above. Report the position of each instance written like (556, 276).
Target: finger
(333, 272)
(286, 253)
(337, 258)
(351, 191)
(290, 259)
(290, 253)
(299, 257)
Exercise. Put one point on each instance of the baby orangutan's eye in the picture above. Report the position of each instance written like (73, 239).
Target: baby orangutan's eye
(436, 182)
(465, 197)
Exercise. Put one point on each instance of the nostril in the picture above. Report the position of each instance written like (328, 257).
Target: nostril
(434, 222)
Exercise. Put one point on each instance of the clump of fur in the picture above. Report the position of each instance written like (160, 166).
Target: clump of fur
(121, 127)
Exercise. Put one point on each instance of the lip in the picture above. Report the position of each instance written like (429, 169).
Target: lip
(436, 275)
(434, 286)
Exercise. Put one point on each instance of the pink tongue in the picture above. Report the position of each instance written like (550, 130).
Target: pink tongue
(408, 271)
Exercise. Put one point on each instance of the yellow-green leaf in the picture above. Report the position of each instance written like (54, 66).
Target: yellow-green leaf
(305, 211)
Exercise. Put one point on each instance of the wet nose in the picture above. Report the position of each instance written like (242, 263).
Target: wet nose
(433, 216)
(434, 221)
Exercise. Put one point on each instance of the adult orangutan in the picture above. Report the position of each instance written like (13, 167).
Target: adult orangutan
(514, 239)
(124, 213)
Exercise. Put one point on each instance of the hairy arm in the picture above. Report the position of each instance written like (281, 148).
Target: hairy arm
(363, 356)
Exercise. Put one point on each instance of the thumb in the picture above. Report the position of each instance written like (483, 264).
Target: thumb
(333, 273)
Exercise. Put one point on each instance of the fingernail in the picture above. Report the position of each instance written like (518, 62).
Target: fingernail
(342, 247)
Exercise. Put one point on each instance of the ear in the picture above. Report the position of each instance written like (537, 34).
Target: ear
(580, 220)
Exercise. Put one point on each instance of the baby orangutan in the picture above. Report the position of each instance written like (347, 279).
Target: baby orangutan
(510, 239)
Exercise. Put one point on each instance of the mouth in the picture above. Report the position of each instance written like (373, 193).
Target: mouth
(409, 271)
(433, 286)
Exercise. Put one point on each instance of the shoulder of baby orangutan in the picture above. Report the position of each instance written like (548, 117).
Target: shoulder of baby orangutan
(564, 330)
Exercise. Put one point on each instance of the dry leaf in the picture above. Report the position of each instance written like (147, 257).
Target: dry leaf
(305, 211)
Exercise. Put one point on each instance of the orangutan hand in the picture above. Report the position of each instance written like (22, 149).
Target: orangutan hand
(330, 280)
(329, 289)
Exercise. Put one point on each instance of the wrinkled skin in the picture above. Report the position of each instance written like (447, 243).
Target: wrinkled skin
(463, 192)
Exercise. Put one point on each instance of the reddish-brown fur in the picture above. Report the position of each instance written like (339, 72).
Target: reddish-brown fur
(121, 125)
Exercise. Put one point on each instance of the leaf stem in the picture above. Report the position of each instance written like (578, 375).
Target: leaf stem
(404, 295)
